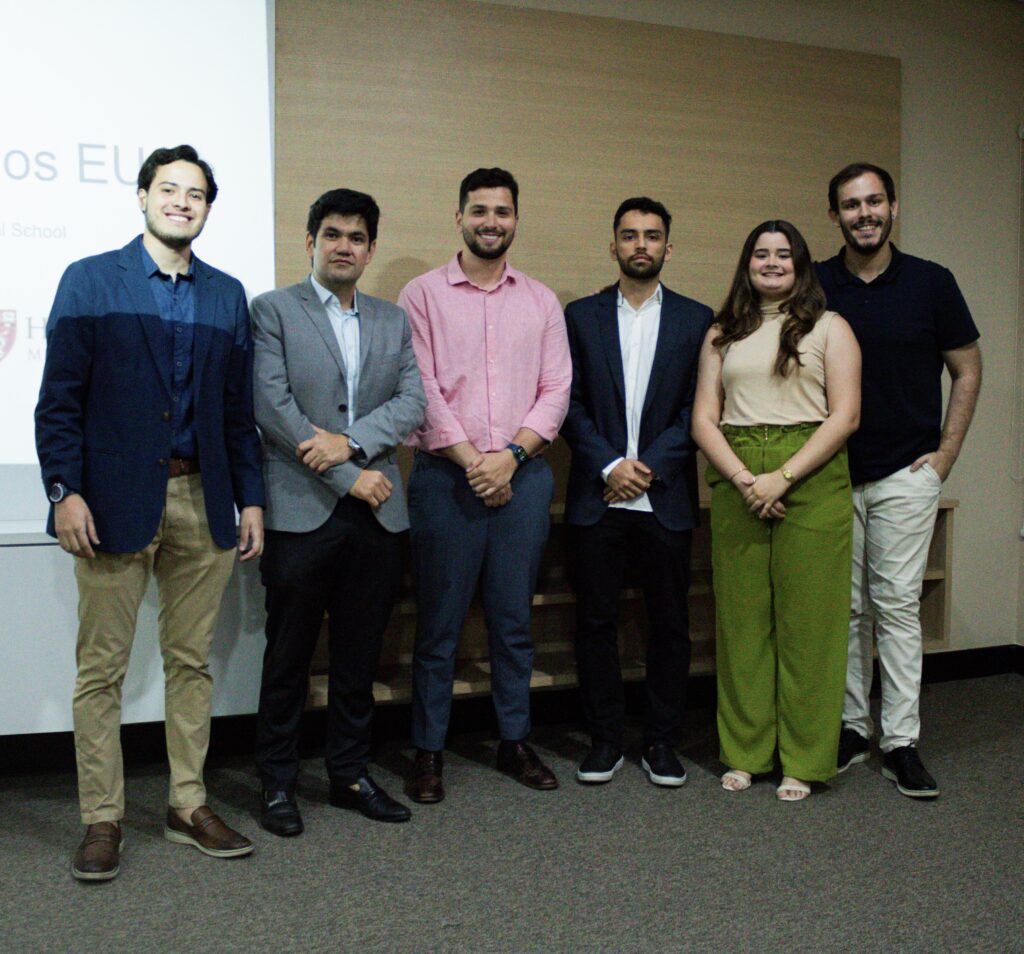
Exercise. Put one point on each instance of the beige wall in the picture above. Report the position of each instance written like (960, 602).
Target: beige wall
(962, 103)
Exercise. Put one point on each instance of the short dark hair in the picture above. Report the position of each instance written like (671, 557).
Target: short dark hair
(641, 203)
(344, 202)
(853, 171)
(493, 178)
(163, 157)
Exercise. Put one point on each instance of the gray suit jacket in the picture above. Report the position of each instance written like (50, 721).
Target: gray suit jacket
(300, 381)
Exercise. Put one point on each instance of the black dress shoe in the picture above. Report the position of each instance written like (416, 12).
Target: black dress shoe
(602, 762)
(662, 765)
(280, 814)
(904, 767)
(369, 798)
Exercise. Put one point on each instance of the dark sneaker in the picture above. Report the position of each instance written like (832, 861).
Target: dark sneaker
(662, 765)
(602, 762)
(903, 766)
(853, 748)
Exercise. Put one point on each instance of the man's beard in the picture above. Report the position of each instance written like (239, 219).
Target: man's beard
(640, 272)
(481, 251)
(174, 240)
(853, 240)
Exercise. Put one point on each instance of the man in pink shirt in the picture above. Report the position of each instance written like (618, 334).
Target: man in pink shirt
(494, 356)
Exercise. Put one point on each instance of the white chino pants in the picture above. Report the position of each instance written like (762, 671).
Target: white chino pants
(893, 521)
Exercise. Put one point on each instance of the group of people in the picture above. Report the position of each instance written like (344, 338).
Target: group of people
(815, 393)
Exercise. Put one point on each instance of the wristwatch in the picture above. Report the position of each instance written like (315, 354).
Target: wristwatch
(519, 453)
(58, 492)
(354, 447)
(788, 474)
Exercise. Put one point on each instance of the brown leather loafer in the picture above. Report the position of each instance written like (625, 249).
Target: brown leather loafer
(425, 785)
(207, 833)
(99, 855)
(518, 760)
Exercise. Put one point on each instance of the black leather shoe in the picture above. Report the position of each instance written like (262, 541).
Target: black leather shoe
(280, 814)
(853, 748)
(904, 767)
(662, 765)
(370, 799)
(602, 762)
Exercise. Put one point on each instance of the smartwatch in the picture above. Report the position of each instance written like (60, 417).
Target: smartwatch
(519, 453)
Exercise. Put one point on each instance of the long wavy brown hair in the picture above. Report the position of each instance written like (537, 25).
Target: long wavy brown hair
(740, 315)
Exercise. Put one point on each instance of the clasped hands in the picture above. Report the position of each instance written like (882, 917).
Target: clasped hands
(326, 449)
(628, 480)
(763, 493)
(490, 476)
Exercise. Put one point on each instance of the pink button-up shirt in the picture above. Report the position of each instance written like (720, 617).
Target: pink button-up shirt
(491, 361)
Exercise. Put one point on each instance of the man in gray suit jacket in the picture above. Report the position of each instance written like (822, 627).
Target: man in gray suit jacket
(337, 389)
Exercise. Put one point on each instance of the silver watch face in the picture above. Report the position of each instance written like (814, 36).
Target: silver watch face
(57, 492)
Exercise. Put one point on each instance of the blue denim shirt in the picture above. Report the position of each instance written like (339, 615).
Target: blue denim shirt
(176, 303)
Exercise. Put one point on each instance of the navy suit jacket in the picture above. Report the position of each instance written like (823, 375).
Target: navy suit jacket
(595, 427)
(103, 421)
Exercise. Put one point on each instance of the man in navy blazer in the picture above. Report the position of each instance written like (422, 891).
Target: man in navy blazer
(632, 495)
(147, 444)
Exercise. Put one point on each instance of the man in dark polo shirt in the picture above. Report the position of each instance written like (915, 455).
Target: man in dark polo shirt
(911, 321)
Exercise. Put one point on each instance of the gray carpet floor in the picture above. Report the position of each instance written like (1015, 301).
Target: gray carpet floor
(622, 867)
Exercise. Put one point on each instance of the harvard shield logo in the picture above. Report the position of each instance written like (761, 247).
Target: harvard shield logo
(8, 331)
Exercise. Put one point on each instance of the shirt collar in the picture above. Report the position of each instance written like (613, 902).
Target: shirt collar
(456, 276)
(150, 267)
(655, 297)
(845, 277)
(325, 295)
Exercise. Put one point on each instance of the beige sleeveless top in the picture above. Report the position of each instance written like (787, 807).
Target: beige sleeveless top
(755, 395)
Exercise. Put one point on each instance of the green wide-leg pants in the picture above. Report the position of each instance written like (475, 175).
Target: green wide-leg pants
(782, 597)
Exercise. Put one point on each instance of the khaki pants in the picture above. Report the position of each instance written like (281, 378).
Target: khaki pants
(894, 519)
(191, 573)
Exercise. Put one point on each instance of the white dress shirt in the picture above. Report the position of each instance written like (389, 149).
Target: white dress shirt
(345, 325)
(638, 339)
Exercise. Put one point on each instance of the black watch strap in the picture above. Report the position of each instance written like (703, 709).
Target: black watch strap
(519, 453)
(58, 491)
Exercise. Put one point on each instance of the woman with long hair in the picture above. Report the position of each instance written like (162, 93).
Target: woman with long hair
(778, 394)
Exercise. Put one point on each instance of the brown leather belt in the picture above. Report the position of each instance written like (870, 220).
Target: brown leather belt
(181, 466)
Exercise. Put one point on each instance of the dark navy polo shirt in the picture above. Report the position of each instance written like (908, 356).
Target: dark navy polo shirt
(176, 303)
(904, 319)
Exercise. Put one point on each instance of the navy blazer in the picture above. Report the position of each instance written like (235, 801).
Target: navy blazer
(103, 421)
(595, 427)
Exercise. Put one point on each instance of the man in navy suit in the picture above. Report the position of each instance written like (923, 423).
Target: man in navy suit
(147, 444)
(632, 495)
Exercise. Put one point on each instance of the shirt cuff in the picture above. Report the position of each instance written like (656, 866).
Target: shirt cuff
(438, 438)
(607, 472)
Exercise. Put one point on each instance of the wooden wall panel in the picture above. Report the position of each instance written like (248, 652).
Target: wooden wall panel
(401, 98)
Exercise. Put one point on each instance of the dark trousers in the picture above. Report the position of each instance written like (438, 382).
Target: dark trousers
(626, 543)
(456, 543)
(351, 567)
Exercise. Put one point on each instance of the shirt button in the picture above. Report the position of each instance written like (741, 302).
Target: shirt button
(343, 407)
(162, 462)
(166, 415)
